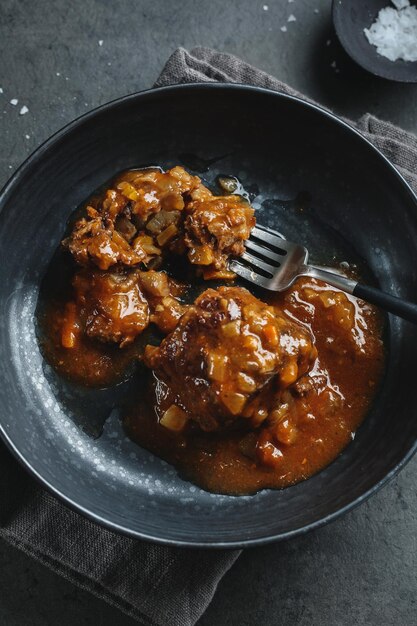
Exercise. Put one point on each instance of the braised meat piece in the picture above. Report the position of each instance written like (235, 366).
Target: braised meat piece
(216, 228)
(96, 241)
(152, 190)
(120, 225)
(146, 213)
(109, 307)
(115, 307)
(225, 349)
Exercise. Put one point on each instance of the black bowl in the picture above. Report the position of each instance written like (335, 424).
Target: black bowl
(360, 208)
(350, 17)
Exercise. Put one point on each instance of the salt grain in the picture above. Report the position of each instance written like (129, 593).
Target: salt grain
(316, 11)
(284, 29)
(292, 18)
(27, 136)
(1, 89)
(328, 42)
(14, 101)
(100, 41)
(394, 32)
(23, 110)
(58, 73)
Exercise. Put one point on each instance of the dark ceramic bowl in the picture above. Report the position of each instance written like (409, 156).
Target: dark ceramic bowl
(350, 17)
(360, 209)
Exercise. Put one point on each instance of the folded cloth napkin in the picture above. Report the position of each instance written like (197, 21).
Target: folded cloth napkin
(156, 585)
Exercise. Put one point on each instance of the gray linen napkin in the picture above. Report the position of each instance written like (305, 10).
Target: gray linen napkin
(154, 584)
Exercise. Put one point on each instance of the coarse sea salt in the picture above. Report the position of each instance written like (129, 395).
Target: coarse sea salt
(394, 32)
(400, 4)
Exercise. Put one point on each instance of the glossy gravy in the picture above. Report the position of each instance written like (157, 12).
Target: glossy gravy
(347, 372)
(97, 321)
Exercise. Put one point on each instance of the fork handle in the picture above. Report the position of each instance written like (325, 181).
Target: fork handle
(392, 304)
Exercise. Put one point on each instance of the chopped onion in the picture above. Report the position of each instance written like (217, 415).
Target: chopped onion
(167, 234)
(217, 366)
(233, 401)
(174, 418)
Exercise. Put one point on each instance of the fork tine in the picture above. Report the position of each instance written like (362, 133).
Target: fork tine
(249, 274)
(265, 235)
(267, 253)
(253, 260)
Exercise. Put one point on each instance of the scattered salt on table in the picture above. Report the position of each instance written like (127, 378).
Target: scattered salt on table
(284, 29)
(394, 32)
(23, 110)
(292, 18)
(14, 101)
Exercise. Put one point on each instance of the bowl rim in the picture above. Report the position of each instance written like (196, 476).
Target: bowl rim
(71, 501)
(337, 6)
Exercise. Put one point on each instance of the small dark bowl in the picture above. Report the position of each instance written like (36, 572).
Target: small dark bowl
(350, 17)
(360, 209)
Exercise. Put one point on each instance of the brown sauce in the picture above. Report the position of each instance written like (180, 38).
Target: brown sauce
(347, 373)
(89, 362)
(229, 428)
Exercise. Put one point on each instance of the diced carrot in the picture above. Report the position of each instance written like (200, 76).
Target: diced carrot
(271, 334)
(70, 328)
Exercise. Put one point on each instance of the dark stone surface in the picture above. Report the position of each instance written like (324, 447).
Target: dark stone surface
(363, 568)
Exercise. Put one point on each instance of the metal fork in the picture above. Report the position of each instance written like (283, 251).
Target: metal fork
(272, 262)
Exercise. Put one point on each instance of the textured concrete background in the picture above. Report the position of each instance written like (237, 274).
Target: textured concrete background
(363, 568)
